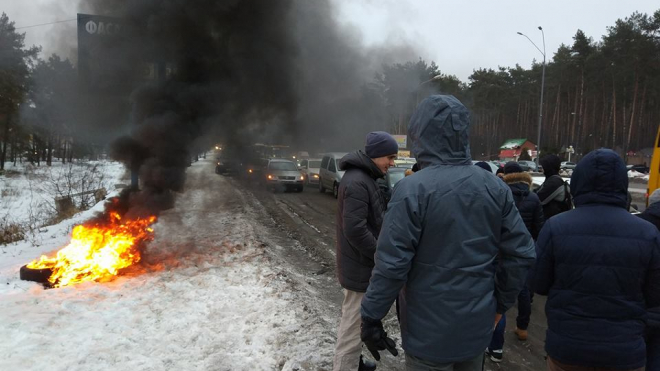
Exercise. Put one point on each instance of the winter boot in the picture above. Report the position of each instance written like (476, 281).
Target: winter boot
(366, 365)
(522, 334)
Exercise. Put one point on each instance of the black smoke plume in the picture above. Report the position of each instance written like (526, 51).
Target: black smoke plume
(240, 72)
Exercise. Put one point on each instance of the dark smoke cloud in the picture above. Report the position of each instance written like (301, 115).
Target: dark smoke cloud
(244, 71)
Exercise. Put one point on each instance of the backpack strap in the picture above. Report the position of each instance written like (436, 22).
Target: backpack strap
(559, 191)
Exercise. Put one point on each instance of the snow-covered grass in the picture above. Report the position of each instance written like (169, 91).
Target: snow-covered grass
(637, 175)
(28, 192)
(209, 295)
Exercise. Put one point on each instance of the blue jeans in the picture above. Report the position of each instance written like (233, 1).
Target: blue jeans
(497, 341)
(524, 308)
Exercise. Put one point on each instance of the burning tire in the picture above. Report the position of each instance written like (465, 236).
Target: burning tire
(35, 275)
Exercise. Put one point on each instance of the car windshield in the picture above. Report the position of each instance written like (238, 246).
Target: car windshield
(287, 166)
(395, 176)
(314, 164)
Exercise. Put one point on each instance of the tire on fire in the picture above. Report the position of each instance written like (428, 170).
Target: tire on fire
(35, 275)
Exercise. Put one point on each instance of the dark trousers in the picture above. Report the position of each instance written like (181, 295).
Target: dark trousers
(524, 308)
(653, 349)
(497, 341)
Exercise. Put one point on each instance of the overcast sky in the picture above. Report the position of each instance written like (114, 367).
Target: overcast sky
(459, 36)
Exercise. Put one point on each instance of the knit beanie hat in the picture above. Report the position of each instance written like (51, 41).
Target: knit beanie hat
(380, 144)
(512, 167)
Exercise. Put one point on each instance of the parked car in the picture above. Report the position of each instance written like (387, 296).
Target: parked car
(283, 174)
(406, 162)
(393, 176)
(329, 174)
(310, 169)
(528, 165)
(639, 168)
(567, 165)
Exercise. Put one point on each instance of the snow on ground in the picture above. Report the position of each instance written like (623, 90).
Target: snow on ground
(28, 192)
(637, 175)
(208, 296)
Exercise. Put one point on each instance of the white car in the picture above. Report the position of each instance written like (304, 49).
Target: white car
(311, 168)
(329, 174)
(567, 165)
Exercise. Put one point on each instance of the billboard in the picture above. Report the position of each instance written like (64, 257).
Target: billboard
(109, 57)
(100, 42)
(401, 140)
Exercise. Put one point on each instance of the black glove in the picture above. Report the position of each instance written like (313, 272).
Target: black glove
(375, 338)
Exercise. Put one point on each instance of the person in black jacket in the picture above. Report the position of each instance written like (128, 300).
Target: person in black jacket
(530, 209)
(551, 192)
(652, 214)
(359, 218)
(600, 268)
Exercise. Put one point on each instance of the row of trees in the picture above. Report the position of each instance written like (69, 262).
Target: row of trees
(37, 100)
(597, 94)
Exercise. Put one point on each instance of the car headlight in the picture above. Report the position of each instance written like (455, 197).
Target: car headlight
(302, 177)
(270, 177)
(250, 171)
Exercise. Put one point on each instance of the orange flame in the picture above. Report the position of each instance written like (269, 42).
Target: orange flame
(97, 252)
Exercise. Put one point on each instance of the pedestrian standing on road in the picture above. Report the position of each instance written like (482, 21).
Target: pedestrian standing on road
(600, 268)
(443, 229)
(652, 214)
(359, 218)
(553, 193)
(530, 209)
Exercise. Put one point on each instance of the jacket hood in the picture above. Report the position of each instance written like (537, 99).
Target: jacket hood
(515, 178)
(438, 131)
(551, 165)
(654, 209)
(360, 160)
(600, 178)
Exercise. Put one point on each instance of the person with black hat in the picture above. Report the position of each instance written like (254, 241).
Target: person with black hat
(359, 218)
(553, 193)
(530, 209)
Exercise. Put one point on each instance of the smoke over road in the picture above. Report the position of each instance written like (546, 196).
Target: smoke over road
(240, 72)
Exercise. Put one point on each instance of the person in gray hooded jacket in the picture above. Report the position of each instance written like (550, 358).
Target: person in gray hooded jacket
(452, 247)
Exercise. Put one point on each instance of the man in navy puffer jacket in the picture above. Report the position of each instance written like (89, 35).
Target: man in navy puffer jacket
(600, 268)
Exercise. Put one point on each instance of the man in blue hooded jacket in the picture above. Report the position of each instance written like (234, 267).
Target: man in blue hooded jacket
(600, 268)
(445, 227)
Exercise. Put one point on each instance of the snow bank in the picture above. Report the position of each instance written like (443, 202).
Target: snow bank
(28, 192)
(637, 175)
(208, 296)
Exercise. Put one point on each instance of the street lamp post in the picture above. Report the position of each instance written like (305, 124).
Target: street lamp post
(538, 138)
